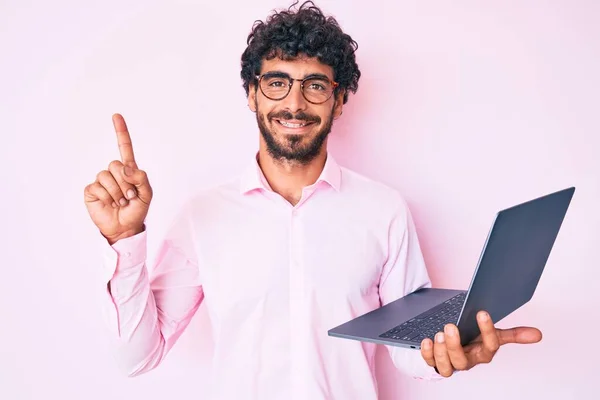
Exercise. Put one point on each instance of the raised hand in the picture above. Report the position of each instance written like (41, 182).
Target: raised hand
(119, 199)
(447, 355)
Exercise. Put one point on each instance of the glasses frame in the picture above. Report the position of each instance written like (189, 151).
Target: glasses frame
(291, 80)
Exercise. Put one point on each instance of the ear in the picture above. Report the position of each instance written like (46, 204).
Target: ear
(339, 104)
(252, 97)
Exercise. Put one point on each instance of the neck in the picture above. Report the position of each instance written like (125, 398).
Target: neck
(288, 178)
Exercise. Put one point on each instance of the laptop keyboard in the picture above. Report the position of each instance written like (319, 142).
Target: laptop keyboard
(427, 324)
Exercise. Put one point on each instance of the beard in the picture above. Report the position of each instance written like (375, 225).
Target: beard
(291, 148)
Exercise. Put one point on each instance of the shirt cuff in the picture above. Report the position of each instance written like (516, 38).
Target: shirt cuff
(125, 253)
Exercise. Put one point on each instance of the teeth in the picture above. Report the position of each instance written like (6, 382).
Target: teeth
(288, 125)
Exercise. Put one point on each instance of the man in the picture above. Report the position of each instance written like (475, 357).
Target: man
(295, 246)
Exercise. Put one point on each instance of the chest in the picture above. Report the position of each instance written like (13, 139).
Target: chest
(255, 257)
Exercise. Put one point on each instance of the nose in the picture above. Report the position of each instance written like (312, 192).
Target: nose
(295, 100)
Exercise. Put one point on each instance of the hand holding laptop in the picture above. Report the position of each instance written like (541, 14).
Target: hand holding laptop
(507, 274)
(448, 355)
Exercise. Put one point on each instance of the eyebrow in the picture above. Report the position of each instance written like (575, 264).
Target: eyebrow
(281, 74)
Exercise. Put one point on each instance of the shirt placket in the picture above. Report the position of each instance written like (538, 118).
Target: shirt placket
(298, 318)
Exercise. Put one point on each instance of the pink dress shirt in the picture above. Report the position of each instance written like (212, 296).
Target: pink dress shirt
(275, 278)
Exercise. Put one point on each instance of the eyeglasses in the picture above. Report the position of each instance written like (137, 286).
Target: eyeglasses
(316, 89)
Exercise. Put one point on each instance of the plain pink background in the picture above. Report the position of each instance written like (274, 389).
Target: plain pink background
(467, 107)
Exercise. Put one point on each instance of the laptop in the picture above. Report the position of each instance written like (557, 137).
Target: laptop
(508, 271)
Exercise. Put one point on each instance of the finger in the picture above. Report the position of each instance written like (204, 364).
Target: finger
(139, 179)
(109, 183)
(116, 169)
(457, 355)
(94, 192)
(124, 140)
(489, 337)
(520, 335)
(427, 352)
(440, 353)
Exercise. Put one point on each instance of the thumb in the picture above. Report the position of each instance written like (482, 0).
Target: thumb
(139, 179)
(520, 335)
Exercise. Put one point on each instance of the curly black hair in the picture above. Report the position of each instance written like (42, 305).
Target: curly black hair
(306, 31)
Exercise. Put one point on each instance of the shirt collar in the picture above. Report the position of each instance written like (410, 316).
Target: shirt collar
(254, 179)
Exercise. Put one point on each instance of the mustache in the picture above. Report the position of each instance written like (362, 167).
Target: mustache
(300, 116)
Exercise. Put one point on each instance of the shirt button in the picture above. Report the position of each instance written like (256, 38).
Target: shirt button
(127, 254)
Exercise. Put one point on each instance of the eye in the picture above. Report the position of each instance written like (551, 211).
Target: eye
(316, 85)
(276, 82)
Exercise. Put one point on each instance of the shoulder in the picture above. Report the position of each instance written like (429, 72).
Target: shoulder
(374, 193)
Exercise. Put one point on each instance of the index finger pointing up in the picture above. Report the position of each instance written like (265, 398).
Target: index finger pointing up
(124, 140)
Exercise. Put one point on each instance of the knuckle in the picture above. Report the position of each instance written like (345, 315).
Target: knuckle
(97, 189)
(492, 346)
(115, 165)
(102, 175)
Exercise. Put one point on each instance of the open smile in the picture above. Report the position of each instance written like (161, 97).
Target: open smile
(293, 124)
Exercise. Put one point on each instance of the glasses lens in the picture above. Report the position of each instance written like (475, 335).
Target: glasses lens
(275, 87)
(317, 90)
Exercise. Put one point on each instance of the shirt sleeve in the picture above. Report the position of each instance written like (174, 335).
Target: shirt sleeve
(403, 273)
(147, 312)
